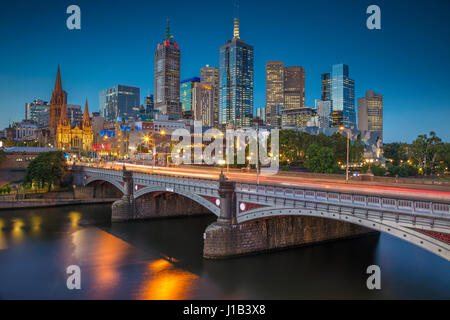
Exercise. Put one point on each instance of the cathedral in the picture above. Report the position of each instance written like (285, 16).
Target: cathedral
(63, 134)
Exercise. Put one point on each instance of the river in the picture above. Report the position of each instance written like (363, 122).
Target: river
(162, 259)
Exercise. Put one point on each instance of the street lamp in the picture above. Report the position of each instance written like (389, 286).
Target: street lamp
(348, 147)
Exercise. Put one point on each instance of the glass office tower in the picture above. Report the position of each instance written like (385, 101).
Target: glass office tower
(120, 100)
(236, 82)
(186, 87)
(343, 97)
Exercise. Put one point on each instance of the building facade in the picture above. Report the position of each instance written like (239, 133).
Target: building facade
(297, 118)
(186, 88)
(120, 101)
(370, 113)
(285, 86)
(38, 111)
(210, 76)
(203, 103)
(324, 113)
(342, 97)
(236, 82)
(167, 77)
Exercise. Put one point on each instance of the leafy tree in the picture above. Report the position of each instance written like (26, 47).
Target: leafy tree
(320, 159)
(426, 151)
(47, 169)
(396, 152)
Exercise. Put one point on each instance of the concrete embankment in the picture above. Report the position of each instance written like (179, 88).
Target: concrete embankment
(23, 204)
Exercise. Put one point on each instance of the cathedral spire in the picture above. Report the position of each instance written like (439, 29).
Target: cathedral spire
(58, 85)
(86, 120)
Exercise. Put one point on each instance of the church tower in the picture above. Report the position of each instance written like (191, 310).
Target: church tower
(57, 102)
(87, 129)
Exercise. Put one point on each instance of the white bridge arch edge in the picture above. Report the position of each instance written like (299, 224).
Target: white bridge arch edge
(417, 238)
(194, 197)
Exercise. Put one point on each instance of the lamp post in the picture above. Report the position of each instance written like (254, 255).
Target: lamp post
(257, 155)
(346, 130)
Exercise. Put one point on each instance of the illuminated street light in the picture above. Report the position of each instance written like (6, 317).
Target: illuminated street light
(348, 147)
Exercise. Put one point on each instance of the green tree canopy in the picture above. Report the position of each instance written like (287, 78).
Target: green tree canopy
(320, 159)
(46, 169)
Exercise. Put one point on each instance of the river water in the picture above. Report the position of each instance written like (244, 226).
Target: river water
(162, 259)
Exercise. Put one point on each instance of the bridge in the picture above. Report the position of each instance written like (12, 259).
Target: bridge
(257, 217)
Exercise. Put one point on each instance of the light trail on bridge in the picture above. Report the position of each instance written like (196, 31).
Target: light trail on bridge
(417, 192)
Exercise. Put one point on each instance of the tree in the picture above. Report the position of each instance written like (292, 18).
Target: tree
(396, 152)
(47, 169)
(320, 159)
(425, 152)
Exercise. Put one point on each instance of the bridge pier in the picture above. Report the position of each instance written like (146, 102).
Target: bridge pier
(226, 238)
(123, 209)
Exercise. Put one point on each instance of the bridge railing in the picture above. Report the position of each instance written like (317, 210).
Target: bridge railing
(355, 200)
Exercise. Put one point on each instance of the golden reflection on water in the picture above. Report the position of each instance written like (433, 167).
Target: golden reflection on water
(36, 224)
(104, 254)
(17, 233)
(74, 217)
(166, 282)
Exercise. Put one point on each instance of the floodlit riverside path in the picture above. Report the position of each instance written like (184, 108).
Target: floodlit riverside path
(281, 211)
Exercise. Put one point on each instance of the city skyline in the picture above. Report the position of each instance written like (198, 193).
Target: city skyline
(27, 76)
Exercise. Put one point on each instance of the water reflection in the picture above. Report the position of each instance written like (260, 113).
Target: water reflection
(166, 282)
(162, 259)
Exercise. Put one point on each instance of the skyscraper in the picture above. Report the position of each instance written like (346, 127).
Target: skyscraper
(186, 87)
(370, 113)
(203, 103)
(274, 90)
(167, 77)
(236, 81)
(285, 86)
(120, 100)
(294, 87)
(342, 97)
(210, 75)
(326, 86)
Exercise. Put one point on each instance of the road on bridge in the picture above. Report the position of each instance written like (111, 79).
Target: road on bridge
(291, 179)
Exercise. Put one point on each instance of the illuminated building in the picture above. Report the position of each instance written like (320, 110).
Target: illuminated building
(167, 77)
(203, 103)
(210, 75)
(342, 97)
(285, 86)
(63, 134)
(39, 112)
(236, 82)
(370, 113)
(120, 100)
(326, 86)
(186, 88)
(297, 118)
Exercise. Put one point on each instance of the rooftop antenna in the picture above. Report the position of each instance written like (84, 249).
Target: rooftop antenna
(167, 30)
(236, 19)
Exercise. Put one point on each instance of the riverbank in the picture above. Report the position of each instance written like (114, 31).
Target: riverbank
(45, 203)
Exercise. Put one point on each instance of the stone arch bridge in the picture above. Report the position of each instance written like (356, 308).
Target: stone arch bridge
(254, 218)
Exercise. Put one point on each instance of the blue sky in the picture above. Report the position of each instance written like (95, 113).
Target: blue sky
(407, 61)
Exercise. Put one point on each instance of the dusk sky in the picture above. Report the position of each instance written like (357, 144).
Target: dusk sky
(407, 61)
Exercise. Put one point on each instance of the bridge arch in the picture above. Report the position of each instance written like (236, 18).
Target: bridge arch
(115, 183)
(192, 196)
(393, 228)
